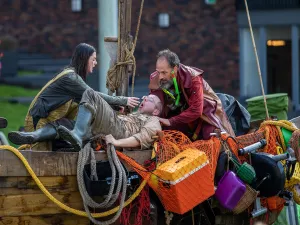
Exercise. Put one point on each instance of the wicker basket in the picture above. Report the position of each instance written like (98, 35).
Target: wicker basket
(247, 199)
(296, 193)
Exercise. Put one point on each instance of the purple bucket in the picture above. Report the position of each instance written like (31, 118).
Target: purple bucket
(230, 190)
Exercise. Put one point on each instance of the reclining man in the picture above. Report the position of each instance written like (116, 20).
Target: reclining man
(95, 116)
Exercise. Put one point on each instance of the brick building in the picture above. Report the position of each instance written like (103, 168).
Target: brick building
(204, 36)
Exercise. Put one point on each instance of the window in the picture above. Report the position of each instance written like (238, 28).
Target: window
(76, 5)
(163, 20)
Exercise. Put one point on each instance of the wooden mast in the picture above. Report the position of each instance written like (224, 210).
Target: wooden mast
(125, 40)
(118, 47)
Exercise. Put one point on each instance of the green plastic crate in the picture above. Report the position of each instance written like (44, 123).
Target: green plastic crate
(277, 106)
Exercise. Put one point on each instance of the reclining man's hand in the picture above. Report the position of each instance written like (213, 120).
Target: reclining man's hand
(133, 102)
(129, 142)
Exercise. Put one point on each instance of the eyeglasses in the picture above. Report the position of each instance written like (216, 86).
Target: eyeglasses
(150, 99)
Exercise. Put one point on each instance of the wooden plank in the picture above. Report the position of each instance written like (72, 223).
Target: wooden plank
(26, 185)
(52, 163)
(62, 182)
(37, 204)
(61, 219)
(110, 39)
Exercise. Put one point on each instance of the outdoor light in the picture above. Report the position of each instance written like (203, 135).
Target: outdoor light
(76, 5)
(276, 43)
(163, 20)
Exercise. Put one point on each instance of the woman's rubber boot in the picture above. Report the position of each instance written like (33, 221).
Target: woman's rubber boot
(81, 128)
(45, 133)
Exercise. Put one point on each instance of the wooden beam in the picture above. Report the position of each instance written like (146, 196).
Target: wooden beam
(61, 219)
(26, 185)
(110, 39)
(124, 31)
(53, 163)
(37, 204)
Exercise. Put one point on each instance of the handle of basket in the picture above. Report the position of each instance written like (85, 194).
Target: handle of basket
(235, 162)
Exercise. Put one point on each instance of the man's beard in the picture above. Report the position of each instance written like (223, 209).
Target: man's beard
(166, 85)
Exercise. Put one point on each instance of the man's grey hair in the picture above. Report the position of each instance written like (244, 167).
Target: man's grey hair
(170, 56)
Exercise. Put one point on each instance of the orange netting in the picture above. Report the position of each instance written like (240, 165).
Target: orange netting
(182, 171)
(175, 137)
(169, 145)
(272, 138)
(183, 174)
(248, 139)
(211, 148)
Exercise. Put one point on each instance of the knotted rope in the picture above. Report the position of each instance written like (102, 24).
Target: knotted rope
(113, 80)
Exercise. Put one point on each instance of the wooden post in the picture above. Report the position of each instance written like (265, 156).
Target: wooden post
(124, 31)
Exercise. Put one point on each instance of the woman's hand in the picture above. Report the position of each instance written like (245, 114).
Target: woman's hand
(133, 101)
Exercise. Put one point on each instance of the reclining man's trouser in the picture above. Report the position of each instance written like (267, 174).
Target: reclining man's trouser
(105, 120)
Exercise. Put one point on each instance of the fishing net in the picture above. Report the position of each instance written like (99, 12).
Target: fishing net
(182, 172)
(248, 139)
(183, 177)
(211, 148)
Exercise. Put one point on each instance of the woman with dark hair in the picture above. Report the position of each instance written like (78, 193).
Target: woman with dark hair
(57, 103)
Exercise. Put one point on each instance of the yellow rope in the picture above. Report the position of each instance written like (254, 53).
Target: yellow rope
(280, 124)
(26, 146)
(62, 205)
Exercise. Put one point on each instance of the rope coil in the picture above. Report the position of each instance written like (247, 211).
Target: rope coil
(113, 80)
(111, 198)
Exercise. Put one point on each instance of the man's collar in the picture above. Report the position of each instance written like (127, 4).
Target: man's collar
(186, 73)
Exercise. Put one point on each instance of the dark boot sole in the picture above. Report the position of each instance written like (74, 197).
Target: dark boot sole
(3, 122)
(18, 139)
(66, 135)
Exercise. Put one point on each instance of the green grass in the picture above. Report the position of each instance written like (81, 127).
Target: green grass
(28, 72)
(15, 91)
(14, 113)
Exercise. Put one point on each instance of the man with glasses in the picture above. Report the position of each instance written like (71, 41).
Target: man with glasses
(95, 116)
(190, 104)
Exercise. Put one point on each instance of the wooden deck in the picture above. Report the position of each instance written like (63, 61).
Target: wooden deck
(52, 163)
(22, 202)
